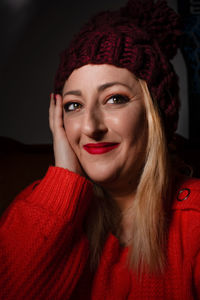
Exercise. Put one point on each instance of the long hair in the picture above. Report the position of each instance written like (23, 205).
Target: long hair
(149, 211)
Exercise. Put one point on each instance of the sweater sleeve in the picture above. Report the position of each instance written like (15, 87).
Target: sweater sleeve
(43, 249)
(197, 275)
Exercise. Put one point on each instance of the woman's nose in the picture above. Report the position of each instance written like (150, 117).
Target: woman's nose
(93, 124)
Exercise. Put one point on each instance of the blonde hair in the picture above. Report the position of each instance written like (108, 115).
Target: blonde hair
(149, 210)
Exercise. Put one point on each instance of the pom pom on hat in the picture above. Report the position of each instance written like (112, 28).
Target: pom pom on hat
(160, 21)
(141, 37)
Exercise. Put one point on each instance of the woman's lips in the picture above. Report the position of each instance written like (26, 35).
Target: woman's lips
(100, 148)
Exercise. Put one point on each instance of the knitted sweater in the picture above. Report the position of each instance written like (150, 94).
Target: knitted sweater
(44, 251)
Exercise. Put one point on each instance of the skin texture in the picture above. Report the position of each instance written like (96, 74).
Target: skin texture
(93, 114)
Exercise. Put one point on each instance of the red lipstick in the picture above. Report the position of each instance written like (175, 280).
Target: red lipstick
(100, 148)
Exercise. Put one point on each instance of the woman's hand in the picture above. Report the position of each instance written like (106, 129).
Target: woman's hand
(63, 153)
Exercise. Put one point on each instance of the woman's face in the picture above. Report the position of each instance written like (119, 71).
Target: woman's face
(105, 122)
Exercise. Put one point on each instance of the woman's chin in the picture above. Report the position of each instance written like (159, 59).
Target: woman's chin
(103, 178)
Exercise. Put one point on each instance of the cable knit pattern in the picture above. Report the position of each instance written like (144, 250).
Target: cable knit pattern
(44, 251)
(142, 37)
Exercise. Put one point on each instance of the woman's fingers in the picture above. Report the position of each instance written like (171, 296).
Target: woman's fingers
(55, 113)
(58, 113)
(51, 111)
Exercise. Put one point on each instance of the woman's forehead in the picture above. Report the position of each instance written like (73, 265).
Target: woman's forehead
(100, 75)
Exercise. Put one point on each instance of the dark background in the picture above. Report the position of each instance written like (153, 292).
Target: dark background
(33, 34)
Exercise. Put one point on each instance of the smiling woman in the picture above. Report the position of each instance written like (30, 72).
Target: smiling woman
(114, 218)
(106, 112)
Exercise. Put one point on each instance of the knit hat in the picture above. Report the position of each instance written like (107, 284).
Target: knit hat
(141, 37)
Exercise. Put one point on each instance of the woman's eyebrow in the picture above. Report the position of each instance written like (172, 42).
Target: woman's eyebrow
(100, 88)
(75, 92)
(109, 84)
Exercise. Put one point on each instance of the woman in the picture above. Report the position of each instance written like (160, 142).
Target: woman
(113, 219)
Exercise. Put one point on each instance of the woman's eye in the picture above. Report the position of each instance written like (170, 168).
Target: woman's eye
(72, 106)
(118, 99)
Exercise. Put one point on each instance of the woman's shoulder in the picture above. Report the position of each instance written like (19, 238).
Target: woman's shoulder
(187, 194)
(185, 222)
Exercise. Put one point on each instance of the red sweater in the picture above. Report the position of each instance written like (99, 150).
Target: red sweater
(44, 251)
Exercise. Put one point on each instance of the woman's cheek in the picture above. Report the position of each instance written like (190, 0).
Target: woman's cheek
(72, 129)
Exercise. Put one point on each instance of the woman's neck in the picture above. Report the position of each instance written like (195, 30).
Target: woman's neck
(123, 195)
(124, 200)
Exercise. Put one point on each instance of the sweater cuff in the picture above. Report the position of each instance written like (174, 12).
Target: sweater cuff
(63, 192)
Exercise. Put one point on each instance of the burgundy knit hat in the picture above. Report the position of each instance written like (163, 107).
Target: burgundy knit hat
(141, 37)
